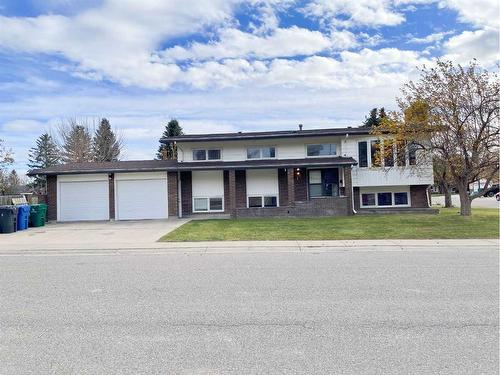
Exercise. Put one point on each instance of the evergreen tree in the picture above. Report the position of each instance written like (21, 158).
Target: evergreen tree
(106, 146)
(168, 150)
(45, 154)
(76, 143)
(374, 118)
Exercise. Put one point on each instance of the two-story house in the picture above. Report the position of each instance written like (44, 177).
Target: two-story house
(256, 174)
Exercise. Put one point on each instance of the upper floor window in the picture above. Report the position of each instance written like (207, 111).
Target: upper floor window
(261, 152)
(375, 154)
(322, 150)
(363, 154)
(210, 154)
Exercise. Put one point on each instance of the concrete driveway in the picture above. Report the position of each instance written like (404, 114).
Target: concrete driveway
(90, 235)
(483, 202)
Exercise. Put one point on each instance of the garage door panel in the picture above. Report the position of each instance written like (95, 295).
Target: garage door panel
(84, 200)
(141, 199)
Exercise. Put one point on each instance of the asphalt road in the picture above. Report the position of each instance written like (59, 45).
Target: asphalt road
(338, 312)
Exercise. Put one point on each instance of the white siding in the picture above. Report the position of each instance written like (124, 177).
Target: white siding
(262, 182)
(207, 184)
(409, 175)
(237, 150)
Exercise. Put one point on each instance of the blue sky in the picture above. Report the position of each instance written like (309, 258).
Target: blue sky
(221, 65)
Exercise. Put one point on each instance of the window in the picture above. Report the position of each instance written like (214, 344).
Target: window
(199, 154)
(384, 199)
(374, 148)
(388, 153)
(261, 153)
(215, 204)
(400, 199)
(363, 154)
(213, 154)
(200, 204)
(270, 202)
(324, 182)
(321, 150)
(254, 201)
(401, 154)
(208, 204)
(368, 199)
(263, 201)
(412, 153)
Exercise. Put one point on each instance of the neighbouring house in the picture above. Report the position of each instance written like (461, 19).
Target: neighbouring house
(256, 174)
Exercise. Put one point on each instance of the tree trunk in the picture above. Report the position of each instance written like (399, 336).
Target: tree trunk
(465, 202)
(445, 189)
(447, 197)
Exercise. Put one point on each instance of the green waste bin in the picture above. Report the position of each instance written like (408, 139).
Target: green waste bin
(38, 213)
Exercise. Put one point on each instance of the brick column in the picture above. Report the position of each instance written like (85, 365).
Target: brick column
(111, 180)
(173, 198)
(291, 186)
(186, 194)
(348, 188)
(232, 192)
(51, 198)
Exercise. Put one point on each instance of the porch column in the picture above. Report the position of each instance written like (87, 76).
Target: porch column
(232, 192)
(291, 185)
(348, 189)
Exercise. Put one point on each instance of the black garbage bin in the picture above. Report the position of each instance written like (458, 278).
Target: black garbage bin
(8, 219)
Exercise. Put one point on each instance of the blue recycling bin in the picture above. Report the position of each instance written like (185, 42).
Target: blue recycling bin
(23, 216)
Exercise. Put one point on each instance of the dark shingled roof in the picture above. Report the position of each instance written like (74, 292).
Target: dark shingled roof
(267, 135)
(108, 167)
(173, 165)
(267, 163)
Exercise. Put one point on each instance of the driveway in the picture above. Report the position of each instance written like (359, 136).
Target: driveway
(483, 202)
(90, 235)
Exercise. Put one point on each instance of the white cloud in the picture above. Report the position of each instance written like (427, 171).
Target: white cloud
(431, 38)
(482, 45)
(117, 39)
(234, 43)
(348, 13)
(24, 126)
(480, 13)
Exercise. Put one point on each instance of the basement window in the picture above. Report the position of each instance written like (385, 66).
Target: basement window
(263, 201)
(208, 204)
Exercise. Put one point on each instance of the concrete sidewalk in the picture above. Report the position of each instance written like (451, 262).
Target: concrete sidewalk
(253, 247)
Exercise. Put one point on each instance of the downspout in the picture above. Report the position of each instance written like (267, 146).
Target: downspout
(179, 195)
(352, 198)
(352, 187)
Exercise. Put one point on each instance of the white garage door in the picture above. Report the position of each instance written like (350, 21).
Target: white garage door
(83, 200)
(141, 199)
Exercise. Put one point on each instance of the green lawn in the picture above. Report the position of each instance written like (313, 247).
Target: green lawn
(448, 224)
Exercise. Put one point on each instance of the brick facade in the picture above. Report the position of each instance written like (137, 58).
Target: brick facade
(300, 185)
(51, 197)
(348, 189)
(283, 186)
(418, 194)
(227, 201)
(186, 194)
(173, 197)
(241, 188)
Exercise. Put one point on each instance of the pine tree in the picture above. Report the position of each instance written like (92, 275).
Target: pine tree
(105, 146)
(374, 118)
(167, 150)
(76, 143)
(45, 154)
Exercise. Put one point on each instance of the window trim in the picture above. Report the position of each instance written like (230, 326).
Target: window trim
(260, 153)
(206, 153)
(393, 192)
(262, 198)
(208, 204)
(322, 156)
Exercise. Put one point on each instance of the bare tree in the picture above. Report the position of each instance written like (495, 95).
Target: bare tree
(442, 178)
(452, 113)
